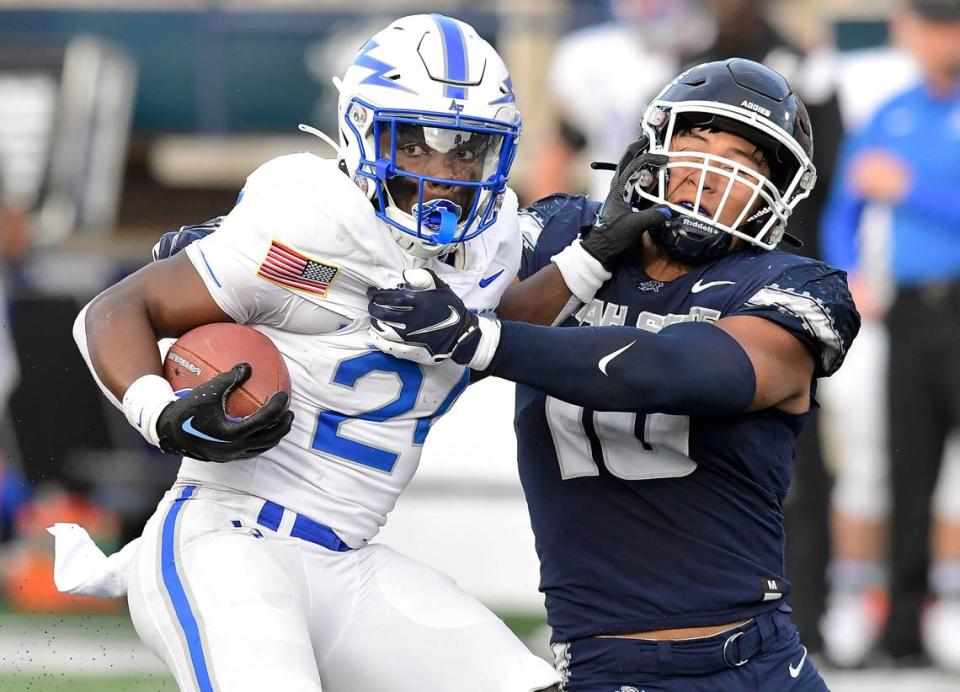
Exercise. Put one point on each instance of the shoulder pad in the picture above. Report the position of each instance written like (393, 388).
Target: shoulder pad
(811, 300)
(550, 224)
(559, 207)
(302, 177)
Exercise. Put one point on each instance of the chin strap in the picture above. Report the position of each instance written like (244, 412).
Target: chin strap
(792, 240)
(321, 135)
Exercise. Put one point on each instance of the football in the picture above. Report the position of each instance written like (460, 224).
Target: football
(206, 351)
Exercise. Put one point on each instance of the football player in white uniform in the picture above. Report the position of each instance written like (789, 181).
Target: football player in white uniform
(256, 573)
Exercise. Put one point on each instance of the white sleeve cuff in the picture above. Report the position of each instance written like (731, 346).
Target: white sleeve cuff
(142, 403)
(489, 340)
(582, 272)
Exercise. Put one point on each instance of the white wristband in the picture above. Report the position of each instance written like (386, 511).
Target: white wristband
(142, 403)
(582, 272)
(489, 340)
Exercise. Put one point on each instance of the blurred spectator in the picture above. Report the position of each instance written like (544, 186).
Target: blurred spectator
(601, 79)
(853, 413)
(14, 491)
(908, 158)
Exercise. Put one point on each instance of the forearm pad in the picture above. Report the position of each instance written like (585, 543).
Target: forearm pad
(691, 368)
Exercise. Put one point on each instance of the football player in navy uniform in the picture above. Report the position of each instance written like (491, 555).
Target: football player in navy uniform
(666, 355)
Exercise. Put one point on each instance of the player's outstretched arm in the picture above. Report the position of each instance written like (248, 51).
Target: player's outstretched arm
(694, 368)
(117, 334)
(740, 363)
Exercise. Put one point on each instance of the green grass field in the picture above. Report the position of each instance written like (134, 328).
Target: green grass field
(101, 653)
(97, 653)
(61, 682)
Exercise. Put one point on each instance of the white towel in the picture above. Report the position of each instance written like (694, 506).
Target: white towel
(81, 568)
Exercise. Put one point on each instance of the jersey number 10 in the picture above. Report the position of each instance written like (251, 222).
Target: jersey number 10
(632, 446)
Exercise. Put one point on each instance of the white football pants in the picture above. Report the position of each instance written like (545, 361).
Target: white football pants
(230, 605)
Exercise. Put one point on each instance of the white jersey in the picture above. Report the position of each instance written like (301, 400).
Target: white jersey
(294, 259)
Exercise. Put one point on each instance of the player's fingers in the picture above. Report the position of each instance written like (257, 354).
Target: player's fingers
(241, 373)
(405, 351)
(655, 160)
(386, 329)
(647, 162)
(422, 279)
(649, 218)
(264, 417)
(391, 301)
(633, 150)
(222, 384)
(273, 432)
(269, 437)
(271, 411)
(232, 379)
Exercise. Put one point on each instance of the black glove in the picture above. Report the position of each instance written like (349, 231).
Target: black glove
(618, 226)
(197, 425)
(174, 241)
(425, 322)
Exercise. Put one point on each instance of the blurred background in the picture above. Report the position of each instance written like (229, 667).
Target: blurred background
(121, 120)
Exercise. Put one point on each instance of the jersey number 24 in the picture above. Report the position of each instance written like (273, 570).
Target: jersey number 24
(348, 374)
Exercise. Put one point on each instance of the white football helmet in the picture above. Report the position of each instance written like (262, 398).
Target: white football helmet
(428, 127)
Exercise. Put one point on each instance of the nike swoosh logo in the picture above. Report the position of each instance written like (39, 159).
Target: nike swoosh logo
(188, 427)
(605, 361)
(795, 671)
(699, 286)
(451, 320)
(490, 279)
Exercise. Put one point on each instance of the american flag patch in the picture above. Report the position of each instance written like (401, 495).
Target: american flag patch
(291, 269)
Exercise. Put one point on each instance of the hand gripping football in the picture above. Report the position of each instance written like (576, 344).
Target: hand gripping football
(211, 349)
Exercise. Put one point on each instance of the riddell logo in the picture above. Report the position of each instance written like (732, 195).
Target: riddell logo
(184, 363)
(755, 108)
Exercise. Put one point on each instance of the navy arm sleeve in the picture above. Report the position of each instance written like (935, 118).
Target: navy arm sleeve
(691, 368)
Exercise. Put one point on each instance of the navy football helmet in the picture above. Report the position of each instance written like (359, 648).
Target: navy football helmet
(747, 99)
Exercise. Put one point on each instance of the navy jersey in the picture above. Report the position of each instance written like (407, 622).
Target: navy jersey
(647, 522)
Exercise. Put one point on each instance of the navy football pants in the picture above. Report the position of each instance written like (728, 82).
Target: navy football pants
(768, 650)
